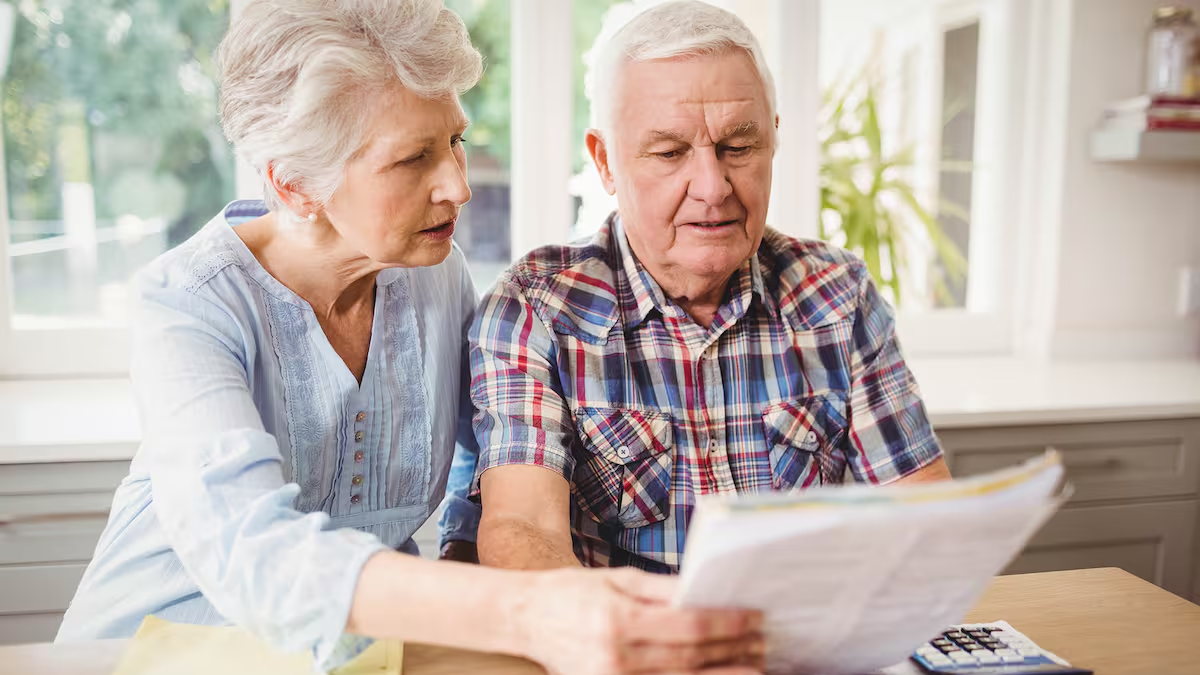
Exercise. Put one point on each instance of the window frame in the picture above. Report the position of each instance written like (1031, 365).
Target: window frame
(66, 347)
(988, 326)
(540, 74)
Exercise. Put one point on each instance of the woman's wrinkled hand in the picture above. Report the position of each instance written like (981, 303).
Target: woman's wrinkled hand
(618, 622)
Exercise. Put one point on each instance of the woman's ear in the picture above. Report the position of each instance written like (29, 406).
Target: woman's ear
(300, 205)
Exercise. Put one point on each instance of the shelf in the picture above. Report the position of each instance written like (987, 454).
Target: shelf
(1130, 145)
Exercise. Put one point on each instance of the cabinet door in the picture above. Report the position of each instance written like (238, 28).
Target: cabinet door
(57, 513)
(65, 477)
(19, 629)
(1154, 541)
(1119, 460)
(38, 589)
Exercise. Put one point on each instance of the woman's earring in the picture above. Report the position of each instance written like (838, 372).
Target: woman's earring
(312, 216)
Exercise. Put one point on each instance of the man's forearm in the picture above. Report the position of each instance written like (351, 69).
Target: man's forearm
(516, 544)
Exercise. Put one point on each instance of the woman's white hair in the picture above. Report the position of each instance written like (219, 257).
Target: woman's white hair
(667, 30)
(299, 77)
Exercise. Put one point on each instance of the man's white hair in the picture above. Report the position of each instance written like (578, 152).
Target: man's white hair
(299, 79)
(680, 28)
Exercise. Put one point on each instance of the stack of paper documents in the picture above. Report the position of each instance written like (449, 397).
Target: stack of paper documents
(853, 578)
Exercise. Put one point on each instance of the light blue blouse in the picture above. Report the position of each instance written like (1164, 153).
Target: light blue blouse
(267, 476)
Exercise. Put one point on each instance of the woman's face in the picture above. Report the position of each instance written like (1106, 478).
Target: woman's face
(401, 193)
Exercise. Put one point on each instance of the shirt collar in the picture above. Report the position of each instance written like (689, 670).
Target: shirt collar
(646, 296)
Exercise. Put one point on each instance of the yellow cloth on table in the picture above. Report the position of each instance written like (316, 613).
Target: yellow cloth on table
(164, 648)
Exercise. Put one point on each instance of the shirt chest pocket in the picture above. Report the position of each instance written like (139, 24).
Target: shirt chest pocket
(623, 477)
(803, 437)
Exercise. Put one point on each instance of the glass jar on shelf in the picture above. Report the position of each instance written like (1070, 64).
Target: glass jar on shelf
(1172, 47)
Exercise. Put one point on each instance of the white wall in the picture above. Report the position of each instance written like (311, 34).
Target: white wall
(1126, 229)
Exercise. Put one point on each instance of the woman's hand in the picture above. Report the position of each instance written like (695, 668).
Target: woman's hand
(618, 622)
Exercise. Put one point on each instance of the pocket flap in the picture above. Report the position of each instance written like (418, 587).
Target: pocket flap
(805, 423)
(624, 435)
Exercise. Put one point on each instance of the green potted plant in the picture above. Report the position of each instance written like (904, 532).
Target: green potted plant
(867, 194)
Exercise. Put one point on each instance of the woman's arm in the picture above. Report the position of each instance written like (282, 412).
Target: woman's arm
(218, 488)
(576, 622)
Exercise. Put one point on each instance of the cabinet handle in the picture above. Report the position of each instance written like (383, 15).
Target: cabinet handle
(1106, 464)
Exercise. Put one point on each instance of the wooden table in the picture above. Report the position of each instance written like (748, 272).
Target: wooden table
(1103, 619)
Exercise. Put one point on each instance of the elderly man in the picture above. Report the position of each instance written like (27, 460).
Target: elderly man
(686, 349)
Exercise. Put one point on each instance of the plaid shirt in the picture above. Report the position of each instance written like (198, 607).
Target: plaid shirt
(580, 364)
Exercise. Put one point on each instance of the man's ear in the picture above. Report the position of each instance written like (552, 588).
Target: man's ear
(599, 152)
(299, 204)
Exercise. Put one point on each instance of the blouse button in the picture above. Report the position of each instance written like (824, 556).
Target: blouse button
(358, 436)
(811, 437)
(360, 417)
(357, 480)
(623, 452)
(358, 456)
(354, 499)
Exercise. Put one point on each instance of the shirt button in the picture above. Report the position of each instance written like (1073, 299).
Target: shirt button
(357, 480)
(354, 499)
(811, 437)
(358, 456)
(358, 436)
(360, 417)
(623, 452)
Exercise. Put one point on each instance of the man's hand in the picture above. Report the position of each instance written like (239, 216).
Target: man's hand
(617, 622)
(460, 551)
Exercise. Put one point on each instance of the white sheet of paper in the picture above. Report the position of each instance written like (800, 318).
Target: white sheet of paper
(853, 583)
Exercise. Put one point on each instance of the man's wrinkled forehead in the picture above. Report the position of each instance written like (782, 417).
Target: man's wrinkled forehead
(725, 91)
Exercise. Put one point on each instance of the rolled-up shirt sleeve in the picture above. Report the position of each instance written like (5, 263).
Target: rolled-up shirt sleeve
(890, 434)
(219, 489)
(521, 416)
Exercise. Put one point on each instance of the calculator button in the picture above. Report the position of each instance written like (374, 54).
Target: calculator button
(988, 657)
(940, 641)
(962, 657)
(1029, 652)
(1005, 652)
(928, 651)
(949, 648)
(939, 661)
(1012, 658)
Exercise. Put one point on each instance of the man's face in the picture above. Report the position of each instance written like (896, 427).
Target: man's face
(689, 159)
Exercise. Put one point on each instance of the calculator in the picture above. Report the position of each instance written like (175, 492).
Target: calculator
(989, 649)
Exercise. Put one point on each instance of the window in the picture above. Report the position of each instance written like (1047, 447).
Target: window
(910, 171)
(112, 154)
(483, 229)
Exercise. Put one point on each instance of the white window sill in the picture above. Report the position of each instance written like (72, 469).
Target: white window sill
(67, 421)
(96, 420)
(981, 392)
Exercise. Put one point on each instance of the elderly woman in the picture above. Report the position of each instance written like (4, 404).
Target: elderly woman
(298, 368)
